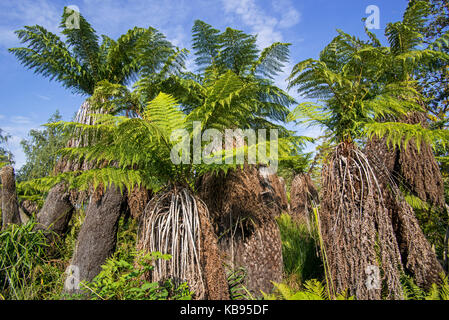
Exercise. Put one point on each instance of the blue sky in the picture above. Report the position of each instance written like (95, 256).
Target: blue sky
(27, 100)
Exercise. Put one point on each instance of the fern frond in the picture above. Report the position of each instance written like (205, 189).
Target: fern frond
(271, 60)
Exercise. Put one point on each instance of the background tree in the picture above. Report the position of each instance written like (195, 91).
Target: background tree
(41, 150)
(5, 155)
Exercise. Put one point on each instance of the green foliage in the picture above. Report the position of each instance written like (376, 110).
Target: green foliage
(139, 149)
(82, 61)
(436, 292)
(362, 84)
(399, 134)
(6, 156)
(312, 290)
(25, 272)
(123, 280)
(237, 289)
(233, 75)
(41, 150)
(299, 250)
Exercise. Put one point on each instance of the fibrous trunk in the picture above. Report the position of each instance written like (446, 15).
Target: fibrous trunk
(275, 193)
(243, 211)
(417, 255)
(303, 198)
(98, 235)
(356, 228)
(10, 204)
(177, 223)
(415, 169)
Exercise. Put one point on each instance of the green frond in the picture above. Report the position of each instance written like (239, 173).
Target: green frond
(308, 112)
(163, 112)
(47, 55)
(237, 51)
(83, 41)
(271, 60)
(206, 44)
(400, 134)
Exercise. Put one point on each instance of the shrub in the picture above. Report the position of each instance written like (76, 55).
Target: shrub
(124, 280)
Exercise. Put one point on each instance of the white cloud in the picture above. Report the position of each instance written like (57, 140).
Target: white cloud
(16, 14)
(43, 97)
(289, 15)
(115, 16)
(18, 132)
(20, 120)
(264, 25)
(7, 37)
(2, 116)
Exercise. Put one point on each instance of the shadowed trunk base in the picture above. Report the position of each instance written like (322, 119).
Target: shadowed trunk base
(98, 235)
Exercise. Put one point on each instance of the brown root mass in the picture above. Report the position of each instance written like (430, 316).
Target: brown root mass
(177, 223)
(243, 211)
(214, 274)
(275, 191)
(303, 197)
(356, 227)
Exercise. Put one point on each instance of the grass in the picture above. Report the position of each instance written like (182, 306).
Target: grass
(25, 271)
(300, 251)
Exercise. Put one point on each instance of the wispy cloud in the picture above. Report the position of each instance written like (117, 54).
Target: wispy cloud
(18, 132)
(115, 16)
(19, 13)
(266, 26)
(290, 17)
(20, 120)
(43, 97)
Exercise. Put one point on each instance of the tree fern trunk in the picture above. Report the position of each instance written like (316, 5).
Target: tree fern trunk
(10, 205)
(56, 213)
(98, 235)
(446, 246)
(416, 253)
(303, 197)
(243, 217)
